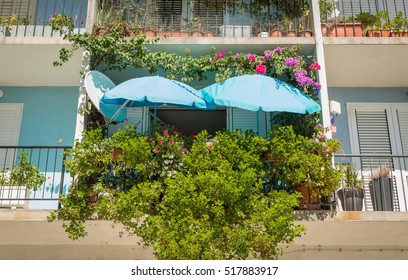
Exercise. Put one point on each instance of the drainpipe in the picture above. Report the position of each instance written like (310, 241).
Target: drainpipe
(82, 99)
(324, 95)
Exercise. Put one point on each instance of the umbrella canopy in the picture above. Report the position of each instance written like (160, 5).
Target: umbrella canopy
(255, 92)
(155, 91)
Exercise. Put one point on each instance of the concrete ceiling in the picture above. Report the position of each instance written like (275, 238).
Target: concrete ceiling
(30, 63)
(365, 64)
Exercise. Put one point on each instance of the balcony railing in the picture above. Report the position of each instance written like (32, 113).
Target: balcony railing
(382, 179)
(49, 161)
(352, 18)
(33, 18)
(209, 18)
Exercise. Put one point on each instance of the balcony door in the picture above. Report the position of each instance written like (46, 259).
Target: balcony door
(381, 128)
(10, 122)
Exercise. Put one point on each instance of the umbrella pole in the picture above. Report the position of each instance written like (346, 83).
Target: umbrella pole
(155, 116)
(118, 111)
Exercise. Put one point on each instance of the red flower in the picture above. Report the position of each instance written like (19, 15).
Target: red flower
(260, 69)
(315, 66)
(165, 132)
(221, 54)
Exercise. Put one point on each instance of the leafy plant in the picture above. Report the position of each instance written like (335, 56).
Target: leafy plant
(59, 22)
(24, 173)
(213, 207)
(350, 177)
(326, 9)
(304, 161)
(399, 23)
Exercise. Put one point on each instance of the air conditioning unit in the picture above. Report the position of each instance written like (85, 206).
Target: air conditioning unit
(235, 30)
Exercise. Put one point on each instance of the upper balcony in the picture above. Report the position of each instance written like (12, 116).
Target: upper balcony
(209, 18)
(29, 18)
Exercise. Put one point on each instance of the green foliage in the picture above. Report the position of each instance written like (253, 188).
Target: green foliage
(399, 23)
(200, 198)
(22, 174)
(304, 161)
(350, 177)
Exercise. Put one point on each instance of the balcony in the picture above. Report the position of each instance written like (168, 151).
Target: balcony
(25, 18)
(345, 18)
(49, 161)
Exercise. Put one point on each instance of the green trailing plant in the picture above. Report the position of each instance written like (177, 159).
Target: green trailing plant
(188, 198)
(24, 173)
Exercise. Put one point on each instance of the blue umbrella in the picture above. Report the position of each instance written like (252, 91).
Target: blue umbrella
(254, 92)
(155, 91)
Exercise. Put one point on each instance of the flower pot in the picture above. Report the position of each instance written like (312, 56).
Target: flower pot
(209, 34)
(307, 200)
(347, 30)
(381, 194)
(306, 33)
(196, 34)
(351, 199)
(378, 33)
(291, 33)
(150, 33)
(276, 33)
(325, 30)
(399, 34)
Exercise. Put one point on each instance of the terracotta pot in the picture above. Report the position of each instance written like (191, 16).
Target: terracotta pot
(196, 34)
(325, 30)
(306, 33)
(209, 34)
(378, 33)
(399, 34)
(276, 33)
(307, 201)
(150, 33)
(163, 33)
(291, 33)
(348, 29)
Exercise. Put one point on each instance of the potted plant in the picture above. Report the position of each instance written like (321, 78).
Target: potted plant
(326, 10)
(399, 26)
(351, 194)
(380, 26)
(381, 189)
(304, 165)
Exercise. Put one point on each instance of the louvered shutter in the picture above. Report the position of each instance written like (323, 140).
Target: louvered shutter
(135, 116)
(247, 120)
(211, 13)
(169, 14)
(19, 8)
(10, 122)
(402, 115)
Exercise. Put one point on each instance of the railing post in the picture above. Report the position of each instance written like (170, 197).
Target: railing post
(62, 178)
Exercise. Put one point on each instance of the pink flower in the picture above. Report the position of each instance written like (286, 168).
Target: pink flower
(221, 54)
(263, 59)
(268, 54)
(165, 132)
(51, 19)
(260, 69)
(184, 149)
(160, 141)
(251, 57)
(157, 150)
(315, 66)
(291, 62)
(151, 138)
(236, 56)
(171, 143)
(278, 50)
(82, 21)
(317, 86)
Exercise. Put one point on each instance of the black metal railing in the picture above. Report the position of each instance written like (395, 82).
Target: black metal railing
(34, 18)
(356, 18)
(49, 161)
(209, 18)
(377, 182)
